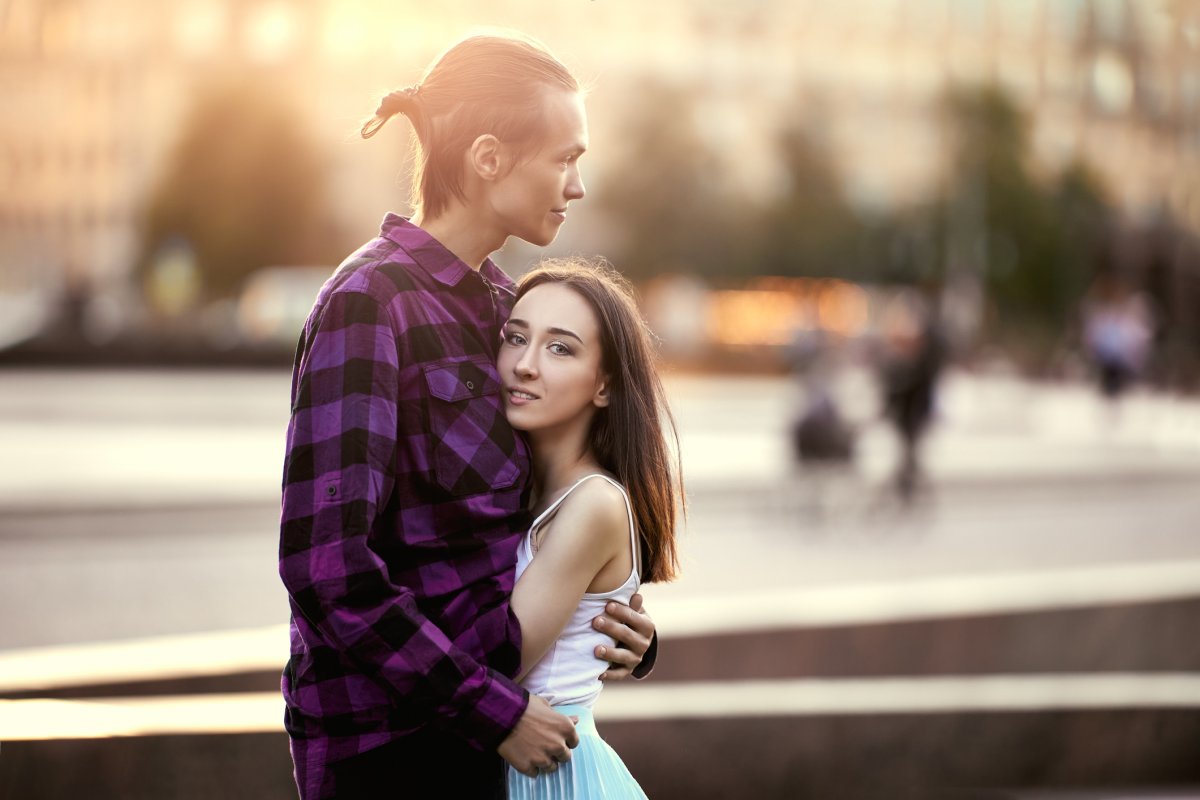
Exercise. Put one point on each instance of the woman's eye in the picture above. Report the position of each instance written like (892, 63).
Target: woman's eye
(560, 349)
(515, 339)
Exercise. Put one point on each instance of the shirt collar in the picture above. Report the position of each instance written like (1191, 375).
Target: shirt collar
(433, 257)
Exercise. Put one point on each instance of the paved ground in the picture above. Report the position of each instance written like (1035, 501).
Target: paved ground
(144, 503)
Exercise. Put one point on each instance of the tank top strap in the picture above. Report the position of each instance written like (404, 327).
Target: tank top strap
(628, 511)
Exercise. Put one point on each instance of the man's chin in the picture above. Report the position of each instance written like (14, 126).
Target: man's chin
(542, 239)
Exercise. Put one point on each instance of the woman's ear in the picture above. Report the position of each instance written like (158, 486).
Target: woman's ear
(485, 157)
(600, 398)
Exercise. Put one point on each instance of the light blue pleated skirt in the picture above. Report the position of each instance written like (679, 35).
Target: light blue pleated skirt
(595, 771)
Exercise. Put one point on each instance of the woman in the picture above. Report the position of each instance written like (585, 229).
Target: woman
(578, 378)
(403, 485)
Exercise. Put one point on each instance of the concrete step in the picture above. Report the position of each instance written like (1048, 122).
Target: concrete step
(975, 737)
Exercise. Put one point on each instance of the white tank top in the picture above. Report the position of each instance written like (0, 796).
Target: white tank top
(569, 672)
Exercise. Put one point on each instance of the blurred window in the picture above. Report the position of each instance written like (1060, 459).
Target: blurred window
(1155, 23)
(346, 31)
(927, 18)
(970, 16)
(1189, 91)
(1064, 18)
(1110, 19)
(1019, 19)
(1019, 76)
(1112, 83)
(1154, 91)
(61, 28)
(271, 31)
(200, 28)
(1061, 74)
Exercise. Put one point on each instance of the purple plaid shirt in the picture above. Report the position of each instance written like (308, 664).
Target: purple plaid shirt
(402, 507)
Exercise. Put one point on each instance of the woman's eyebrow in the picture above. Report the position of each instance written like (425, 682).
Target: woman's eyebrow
(520, 323)
(565, 332)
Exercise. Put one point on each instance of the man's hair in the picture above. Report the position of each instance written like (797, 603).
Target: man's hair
(487, 84)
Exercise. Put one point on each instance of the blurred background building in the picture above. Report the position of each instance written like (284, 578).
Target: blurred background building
(794, 139)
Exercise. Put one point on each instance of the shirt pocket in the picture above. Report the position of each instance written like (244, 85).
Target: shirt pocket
(473, 449)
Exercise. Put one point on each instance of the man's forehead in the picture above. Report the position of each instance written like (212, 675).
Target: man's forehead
(567, 121)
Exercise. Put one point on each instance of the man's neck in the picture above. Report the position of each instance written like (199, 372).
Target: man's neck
(461, 230)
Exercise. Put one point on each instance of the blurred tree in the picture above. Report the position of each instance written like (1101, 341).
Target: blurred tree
(1032, 243)
(242, 189)
(666, 193)
(1086, 220)
(809, 229)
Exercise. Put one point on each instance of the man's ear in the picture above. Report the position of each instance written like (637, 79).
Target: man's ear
(486, 157)
(600, 398)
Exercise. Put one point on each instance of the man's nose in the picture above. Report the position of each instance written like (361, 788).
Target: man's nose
(575, 189)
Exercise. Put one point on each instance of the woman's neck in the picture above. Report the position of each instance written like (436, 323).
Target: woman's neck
(558, 462)
(462, 231)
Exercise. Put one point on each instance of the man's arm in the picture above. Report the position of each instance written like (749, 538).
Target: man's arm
(337, 478)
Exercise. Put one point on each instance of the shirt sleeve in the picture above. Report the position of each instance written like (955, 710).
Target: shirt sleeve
(338, 476)
(646, 666)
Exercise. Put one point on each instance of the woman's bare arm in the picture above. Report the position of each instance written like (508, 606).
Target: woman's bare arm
(587, 533)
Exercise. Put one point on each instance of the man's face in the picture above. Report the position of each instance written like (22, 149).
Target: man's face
(530, 200)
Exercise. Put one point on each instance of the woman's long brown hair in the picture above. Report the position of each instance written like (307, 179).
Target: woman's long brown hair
(629, 436)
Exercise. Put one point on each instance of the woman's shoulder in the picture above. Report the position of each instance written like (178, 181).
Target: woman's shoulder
(599, 504)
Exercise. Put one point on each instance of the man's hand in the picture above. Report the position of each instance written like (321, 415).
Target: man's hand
(633, 629)
(541, 741)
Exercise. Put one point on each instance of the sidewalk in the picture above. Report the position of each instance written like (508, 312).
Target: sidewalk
(985, 429)
(136, 440)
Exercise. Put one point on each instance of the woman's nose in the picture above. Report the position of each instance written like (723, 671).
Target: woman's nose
(525, 367)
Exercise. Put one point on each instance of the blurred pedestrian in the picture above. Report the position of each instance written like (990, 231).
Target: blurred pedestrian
(403, 485)
(910, 363)
(1117, 331)
(819, 433)
(578, 375)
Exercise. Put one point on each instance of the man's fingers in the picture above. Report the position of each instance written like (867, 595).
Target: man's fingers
(638, 622)
(626, 636)
(621, 663)
(616, 674)
(618, 657)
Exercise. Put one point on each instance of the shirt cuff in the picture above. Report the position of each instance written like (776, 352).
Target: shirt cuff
(646, 666)
(488, 721)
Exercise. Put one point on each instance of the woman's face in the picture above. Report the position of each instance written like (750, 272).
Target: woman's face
(530, 200)
(550, 361)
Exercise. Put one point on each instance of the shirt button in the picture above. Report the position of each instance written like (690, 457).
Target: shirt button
(471, 385)
(331, 491)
